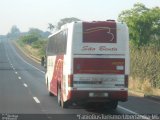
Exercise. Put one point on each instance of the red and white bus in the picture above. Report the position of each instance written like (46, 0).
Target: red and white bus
(88, 62)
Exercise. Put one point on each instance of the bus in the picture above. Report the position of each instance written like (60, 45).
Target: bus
(88, 62)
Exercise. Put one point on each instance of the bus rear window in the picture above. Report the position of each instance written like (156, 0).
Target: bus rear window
(100, 32)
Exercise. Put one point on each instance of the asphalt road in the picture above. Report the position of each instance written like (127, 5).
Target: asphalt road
(23, 92)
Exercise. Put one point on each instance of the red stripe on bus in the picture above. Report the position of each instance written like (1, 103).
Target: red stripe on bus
(98, 66)
(57, 73)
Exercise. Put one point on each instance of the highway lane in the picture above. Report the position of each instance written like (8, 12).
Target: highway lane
(142, 105)
(33, 82)
(13, 95)
(23, 90)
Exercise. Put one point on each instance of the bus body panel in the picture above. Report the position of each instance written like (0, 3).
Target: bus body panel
(95, 65)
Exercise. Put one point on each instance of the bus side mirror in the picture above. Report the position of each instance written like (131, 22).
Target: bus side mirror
(42, 61)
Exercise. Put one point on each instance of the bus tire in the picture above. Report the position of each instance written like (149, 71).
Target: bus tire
(59, 96)
(113, 104)
(64, 104)
(49, 92)
(60, 99)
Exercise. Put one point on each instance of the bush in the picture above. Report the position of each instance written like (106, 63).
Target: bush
(29, 39)
(145, 62)
(40, 45)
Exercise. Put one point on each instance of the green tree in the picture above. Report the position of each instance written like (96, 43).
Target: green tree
(29, 39)
(66, 20)
(14, 32)
(35, 32)
(51, 26)
(39, 33)
(143, 23)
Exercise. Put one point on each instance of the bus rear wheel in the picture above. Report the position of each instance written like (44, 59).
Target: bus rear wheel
(49, 92)
(113, 104)
(59, 96)
(60, 99)
(64, 104)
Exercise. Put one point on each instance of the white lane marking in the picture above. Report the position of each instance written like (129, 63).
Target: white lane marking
(29, 63)
(25, 85)
(132, 112)
(19, 78)
(7, 57)
(36, 99)
(16, 73)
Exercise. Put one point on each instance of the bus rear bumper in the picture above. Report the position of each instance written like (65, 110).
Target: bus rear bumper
(97, 96)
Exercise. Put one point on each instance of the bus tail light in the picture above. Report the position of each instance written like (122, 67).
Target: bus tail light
(70, 80)
(126, 81)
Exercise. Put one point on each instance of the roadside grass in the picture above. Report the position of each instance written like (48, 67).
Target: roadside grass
(32, 51)
(145, 69)
(36, 49)
(145, 87)
(137, 86)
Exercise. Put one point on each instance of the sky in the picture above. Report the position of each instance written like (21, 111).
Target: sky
(26, 14)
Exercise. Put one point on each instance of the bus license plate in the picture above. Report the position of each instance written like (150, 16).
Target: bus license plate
(91, 94)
